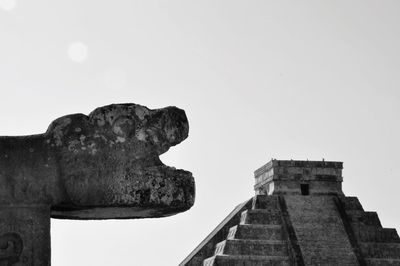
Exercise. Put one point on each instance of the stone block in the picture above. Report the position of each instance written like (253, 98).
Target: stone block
(246, 260)
(360, 218)
(381, 250)
(374, 234)
(382, 262)
(352, 203)
(256, 231)
(252, 247)
(265, 202)
(261, 216)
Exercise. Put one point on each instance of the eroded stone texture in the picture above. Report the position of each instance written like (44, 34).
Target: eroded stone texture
(24, 235)
(100, 166)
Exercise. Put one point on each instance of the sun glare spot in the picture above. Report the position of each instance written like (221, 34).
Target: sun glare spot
(8, 5)
(78, 52)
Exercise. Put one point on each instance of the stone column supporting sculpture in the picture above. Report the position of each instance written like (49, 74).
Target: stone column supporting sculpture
(102, 166)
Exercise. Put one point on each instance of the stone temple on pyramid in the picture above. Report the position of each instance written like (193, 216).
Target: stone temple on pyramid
(298, 216)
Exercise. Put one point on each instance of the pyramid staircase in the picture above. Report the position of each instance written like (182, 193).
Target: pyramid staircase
(261, 238)
(265, 234)
(376, 246)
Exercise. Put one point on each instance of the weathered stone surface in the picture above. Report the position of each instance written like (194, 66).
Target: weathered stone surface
(24, 235)
(100, 166)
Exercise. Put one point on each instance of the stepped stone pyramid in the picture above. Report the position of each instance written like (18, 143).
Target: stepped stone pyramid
(299, 216)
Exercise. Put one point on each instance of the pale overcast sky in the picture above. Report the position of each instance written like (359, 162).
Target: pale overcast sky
(258, 79)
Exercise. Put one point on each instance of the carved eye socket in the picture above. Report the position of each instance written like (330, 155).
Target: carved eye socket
(123, 126)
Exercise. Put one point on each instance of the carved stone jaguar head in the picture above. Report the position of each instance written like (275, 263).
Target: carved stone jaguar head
(104, 165)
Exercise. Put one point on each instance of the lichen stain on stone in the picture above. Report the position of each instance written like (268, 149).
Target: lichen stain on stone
(98, 135)
(100, 120)
(140, 135)
(170, 132)
(111, 143)
(114, 112)
(92, 148)
(155, 139)
(122, 126)
(73, 145)
(120, 139)
(78, 145)
(141, 112)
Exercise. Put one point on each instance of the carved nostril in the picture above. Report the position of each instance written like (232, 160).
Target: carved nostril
(178, 128)
(178, 115)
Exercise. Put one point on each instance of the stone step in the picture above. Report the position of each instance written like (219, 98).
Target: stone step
(260, 216)
(245, 260)
(256, 231)
(352, 203)
(265, 202)
(382, 262)
(357, 218)
(252, 247)
(381, 250)
(374, 234)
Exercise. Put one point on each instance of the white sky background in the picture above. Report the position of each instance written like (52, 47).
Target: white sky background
(258, 79)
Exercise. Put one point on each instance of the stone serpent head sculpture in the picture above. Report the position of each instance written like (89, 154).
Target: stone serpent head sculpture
(104, 165)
